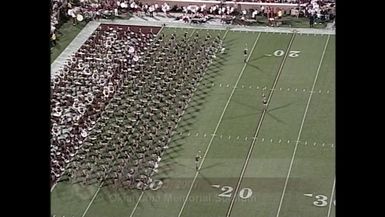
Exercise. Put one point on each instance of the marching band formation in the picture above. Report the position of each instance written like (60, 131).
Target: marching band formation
(117, 102)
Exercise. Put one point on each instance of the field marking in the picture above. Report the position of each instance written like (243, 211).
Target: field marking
(300, 129)
(136, 205)
(292, 89)
(331, 197)
(93, 198)
(216, 128)
(258, 128)
(280, 140)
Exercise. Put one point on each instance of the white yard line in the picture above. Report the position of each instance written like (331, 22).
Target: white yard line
(136, 205)
(300, 129)
(331, 201)
(216, 128)
(257, 131)
(93, 198)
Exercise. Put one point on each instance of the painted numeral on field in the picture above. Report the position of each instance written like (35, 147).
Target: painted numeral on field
(292, 53)
(226, 191)
(156, 184)
(279, 53)
(244, 193)
(321, 201)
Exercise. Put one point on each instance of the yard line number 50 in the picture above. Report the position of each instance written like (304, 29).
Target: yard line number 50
(292, 53)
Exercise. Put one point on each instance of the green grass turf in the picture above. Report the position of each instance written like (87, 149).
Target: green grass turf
(313, 166)
(67, 32)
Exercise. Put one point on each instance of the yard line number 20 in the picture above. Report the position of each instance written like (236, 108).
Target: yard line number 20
(244, 193)
(292, 53)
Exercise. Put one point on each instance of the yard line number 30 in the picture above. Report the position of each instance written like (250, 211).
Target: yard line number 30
(320, 200)
(292, 53)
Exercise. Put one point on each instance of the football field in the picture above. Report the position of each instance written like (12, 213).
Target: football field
(278, 162)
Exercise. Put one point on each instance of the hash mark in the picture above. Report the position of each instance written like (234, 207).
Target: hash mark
(246, 138)
(263, 139)
(197, 134)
